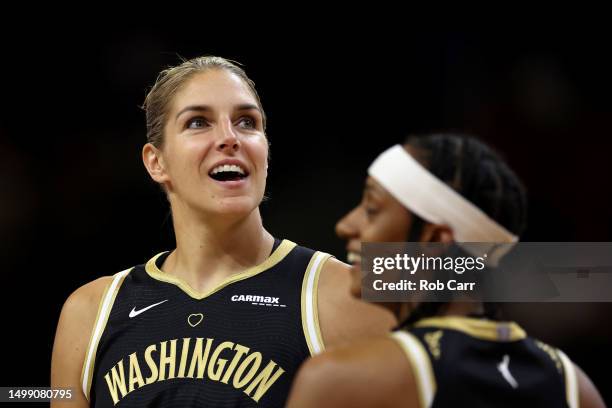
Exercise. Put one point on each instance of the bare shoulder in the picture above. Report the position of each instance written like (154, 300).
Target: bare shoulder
(342, 317)
(72, 337)
(82, 305)
(371, 373)
(588, 394)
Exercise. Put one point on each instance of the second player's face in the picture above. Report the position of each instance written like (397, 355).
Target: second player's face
(215, 148)
(378, 218)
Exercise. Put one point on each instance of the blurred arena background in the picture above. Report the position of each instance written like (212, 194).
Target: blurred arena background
(76, 202)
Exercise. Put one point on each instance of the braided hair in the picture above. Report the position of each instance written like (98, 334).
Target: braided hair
(477, 173)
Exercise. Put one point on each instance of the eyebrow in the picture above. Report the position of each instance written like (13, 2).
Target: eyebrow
(206, 108)
(372, 189)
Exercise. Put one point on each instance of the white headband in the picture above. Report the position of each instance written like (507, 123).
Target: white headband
(434, 201)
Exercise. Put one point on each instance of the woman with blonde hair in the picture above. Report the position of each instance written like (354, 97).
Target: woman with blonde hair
(226, 318)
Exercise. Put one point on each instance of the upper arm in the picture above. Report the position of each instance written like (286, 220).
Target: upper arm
(312, 383)
(342, 317)
(367, 374)
(588, 396)
(72, 339)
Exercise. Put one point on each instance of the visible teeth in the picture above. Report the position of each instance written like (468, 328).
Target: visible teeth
(227, 168)
(353, 257)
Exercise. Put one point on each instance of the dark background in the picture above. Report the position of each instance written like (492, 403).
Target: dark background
(76, 202)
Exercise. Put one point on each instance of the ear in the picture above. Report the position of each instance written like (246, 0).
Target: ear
(437, 233)
(154, 163)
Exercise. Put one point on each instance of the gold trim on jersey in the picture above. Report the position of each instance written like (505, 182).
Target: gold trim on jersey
(433, 342)
(86, 361)
(278, 255)
(551, 352)
(104, 308)
(572, 390)
(420, 363)
(310, 304)
(479, 328)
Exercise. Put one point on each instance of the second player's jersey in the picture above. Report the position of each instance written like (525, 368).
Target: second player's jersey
(463, 361)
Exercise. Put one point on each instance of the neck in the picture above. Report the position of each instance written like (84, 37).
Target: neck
(462, 309)
(208, 251)
(403, 310)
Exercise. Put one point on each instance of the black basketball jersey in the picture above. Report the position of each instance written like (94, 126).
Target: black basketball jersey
(463, 361)
(159, 343)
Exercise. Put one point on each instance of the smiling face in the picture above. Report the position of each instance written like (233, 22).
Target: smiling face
(214, 156)
(378, 218)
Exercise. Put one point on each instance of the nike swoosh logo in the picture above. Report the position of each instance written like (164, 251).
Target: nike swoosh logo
(504, 369)
(135, 312)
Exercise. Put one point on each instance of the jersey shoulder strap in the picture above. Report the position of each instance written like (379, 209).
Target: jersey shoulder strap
(104, 309)
(309, 303)
(420, 363)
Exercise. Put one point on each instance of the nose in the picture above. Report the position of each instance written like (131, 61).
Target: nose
(348, 226)
(228, 141)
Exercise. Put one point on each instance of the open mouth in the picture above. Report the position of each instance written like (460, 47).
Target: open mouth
(228, 172)
(353, 258)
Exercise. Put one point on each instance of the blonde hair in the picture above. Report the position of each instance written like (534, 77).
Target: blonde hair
(171, 80)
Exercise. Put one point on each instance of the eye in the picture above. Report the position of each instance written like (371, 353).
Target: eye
(196, 123)
(370, 207)
(247, 122)
(371, 211)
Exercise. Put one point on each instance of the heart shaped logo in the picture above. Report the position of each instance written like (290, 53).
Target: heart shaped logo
(195, 319)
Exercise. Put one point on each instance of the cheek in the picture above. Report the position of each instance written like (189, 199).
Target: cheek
(182, 164)
(257, 152)
(398, 229)
(183, 153)
(389, 227)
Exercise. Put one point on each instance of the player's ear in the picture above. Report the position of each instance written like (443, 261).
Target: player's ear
(437, 233)
(154, 163)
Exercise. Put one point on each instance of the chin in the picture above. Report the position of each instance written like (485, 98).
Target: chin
(355, 288)
(236, 206)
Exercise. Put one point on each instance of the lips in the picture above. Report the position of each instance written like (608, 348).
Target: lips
(229, 171)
